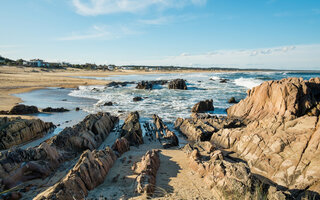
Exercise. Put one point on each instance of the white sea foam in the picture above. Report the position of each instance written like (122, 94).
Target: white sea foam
(247, 82)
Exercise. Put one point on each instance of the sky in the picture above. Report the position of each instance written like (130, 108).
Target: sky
(274, 34)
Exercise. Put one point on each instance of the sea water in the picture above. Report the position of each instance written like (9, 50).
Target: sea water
(168, 104)
(171, 104)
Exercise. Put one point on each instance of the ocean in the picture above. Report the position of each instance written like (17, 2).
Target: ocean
(168, 104)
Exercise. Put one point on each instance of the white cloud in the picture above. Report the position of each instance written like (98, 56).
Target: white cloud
(99, 7)
(285, 57)
(100, 33)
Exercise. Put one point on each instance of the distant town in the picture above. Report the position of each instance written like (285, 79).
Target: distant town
(89, 66)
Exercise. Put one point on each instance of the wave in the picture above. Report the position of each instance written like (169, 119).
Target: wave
(248, 82)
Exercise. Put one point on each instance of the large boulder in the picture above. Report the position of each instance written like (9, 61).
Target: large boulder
(203, 106)
(131, 129)
(89, 172)
(22, 109)
(177, 84)
(147, 171)
(16, 131)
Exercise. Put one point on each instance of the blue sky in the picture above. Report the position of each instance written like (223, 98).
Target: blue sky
(282, 34)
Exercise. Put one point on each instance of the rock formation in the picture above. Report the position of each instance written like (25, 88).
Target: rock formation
(232, 100)
(121, 146)
(43, 159)
(148, 85)
(226, 178)
(147, 171)
(282, 135)
(22, 109)
(16, 131)
(178, 84)
(163, 134)
(135, 99)
(201, 127)
(88, 173)
(131, 129)
(203, 106)
(49, 109)
(118, 84)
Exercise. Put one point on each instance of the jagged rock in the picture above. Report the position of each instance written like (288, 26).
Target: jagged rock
(232, 100)
(178, 84)
(121, 146)
(227, 179)
(203, 106)
(202, 127)
(137, 99)
(88, 134)
(166, 137)
(16, 131)
(49, 109)
(22, 109)
(87, 174)
(147, 171)
(289, 98)
(131, 129)
(281, 139)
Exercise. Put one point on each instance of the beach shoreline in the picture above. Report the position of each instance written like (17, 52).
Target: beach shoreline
(16, 80)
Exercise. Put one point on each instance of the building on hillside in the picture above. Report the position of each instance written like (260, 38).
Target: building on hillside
(36, 63)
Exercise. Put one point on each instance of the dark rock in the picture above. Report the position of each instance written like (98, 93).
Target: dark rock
(203, 106)
(118, 84)
(232, 100)
(178, 84)
(108, 103)
(131, 129)
(22, 109)
(49, 109)
(77, 108)
(146, 85)
(135, 99)
(224, 80)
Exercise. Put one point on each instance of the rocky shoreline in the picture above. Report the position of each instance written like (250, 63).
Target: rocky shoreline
(266, 148)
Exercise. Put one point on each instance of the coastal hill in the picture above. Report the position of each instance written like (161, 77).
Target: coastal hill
(266, 148)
